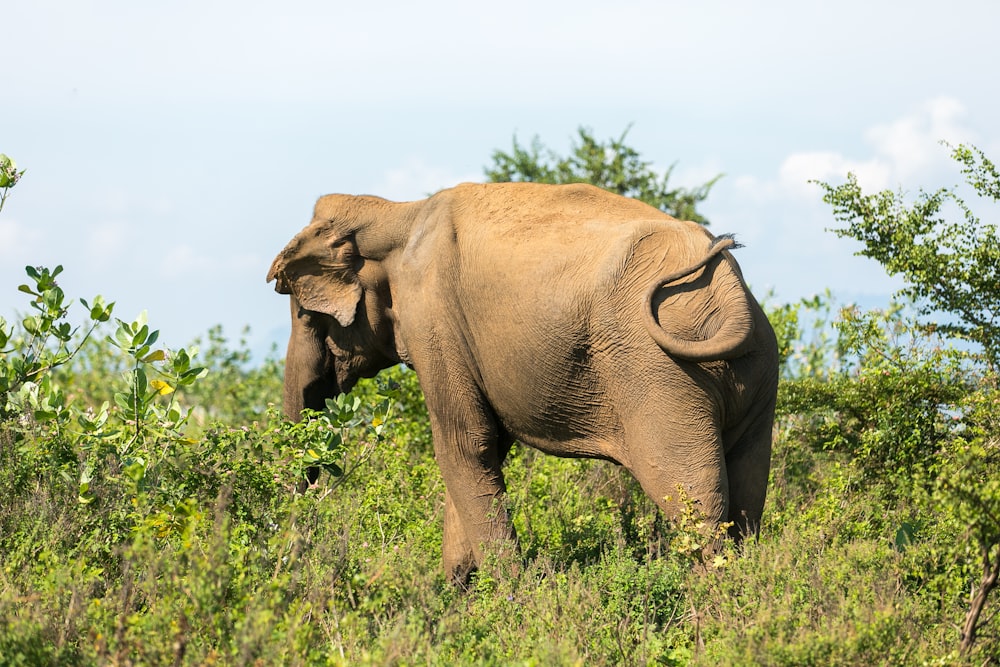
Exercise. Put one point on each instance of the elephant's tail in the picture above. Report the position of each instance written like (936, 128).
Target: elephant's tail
(729, 341)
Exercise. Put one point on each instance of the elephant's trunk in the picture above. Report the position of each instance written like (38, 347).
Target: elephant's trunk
(732, 337)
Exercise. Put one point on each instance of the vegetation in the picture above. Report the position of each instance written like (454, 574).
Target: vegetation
(951, 267)
(952, 272)
(9, 176)
(150, 511)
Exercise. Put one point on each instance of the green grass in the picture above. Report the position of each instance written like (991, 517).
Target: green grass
(246, 571)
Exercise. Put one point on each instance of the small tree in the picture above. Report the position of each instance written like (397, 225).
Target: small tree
(611, 165)
(951, 268)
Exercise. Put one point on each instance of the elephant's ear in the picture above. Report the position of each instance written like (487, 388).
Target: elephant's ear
(320, 275)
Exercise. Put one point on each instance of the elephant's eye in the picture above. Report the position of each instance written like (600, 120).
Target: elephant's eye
(342, 244)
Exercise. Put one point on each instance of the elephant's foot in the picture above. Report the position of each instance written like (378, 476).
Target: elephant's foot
(503, 556)
(460, 572)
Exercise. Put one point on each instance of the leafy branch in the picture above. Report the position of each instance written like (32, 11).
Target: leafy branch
(949, 266)
(29, 359)
(9, 176)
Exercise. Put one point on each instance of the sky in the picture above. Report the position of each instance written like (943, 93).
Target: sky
(172, 149)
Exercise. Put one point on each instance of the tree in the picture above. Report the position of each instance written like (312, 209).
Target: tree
(951, 268)
(611, 165)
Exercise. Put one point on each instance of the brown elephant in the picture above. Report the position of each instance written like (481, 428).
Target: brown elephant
(576, 321)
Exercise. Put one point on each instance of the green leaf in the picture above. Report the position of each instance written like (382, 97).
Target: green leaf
(157, 355)
(8, 172)
(123, 336)
(84, 495)
(905, 535)
(63, 332)
(32, 325)
(100, 311)
(124, 401)
(140, 336)
(190, 376)
(135, 469)
(90, 424)
(334, 440)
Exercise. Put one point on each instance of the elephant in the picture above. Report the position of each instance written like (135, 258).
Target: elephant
(573, 320)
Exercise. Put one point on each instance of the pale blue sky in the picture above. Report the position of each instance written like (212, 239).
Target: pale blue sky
(173, 149)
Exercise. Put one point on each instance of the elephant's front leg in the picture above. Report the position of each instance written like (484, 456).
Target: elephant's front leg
(470, 450)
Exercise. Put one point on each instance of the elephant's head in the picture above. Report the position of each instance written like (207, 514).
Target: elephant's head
(342, 323)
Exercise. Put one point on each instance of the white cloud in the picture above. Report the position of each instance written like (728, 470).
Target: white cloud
(799, 169)
(783, 215)
(903, 150)
(912, 143)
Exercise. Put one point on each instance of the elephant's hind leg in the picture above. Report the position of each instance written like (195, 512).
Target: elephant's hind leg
(671, 461)
(748, 462)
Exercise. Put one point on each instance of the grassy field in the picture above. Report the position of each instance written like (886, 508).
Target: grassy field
(149, 515)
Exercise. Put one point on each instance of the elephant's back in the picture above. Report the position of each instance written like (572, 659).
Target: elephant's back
(514, 203)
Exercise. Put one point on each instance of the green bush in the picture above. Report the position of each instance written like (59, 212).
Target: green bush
(136, 530)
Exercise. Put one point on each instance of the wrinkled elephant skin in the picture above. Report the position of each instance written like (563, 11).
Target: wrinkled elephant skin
(573, 320)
